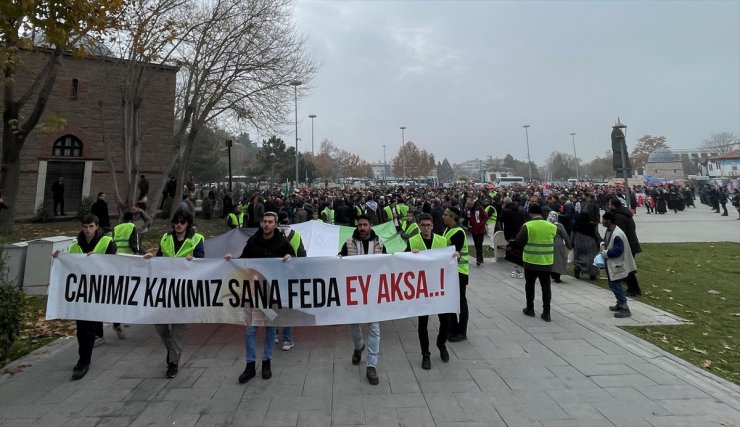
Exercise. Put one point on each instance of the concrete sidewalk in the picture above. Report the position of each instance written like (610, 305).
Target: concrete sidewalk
(579, 370)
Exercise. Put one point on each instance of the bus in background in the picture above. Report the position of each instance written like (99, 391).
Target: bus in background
(508, 181)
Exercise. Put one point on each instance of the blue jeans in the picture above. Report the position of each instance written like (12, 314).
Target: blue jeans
(252, 343)
(287, 333)
(616, 287)
(373, 341)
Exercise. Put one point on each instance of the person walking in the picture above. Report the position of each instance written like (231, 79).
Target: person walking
(537, 237)
(477, 219)
(266, 242)
(236, 218)
(562, 246)
(364, 241)
(455, 236)
(490, 222)
(421, 242)
(586, 241)
(619, 262)
(181, 242)
(90, 240)
(296, 242)
(626, 223)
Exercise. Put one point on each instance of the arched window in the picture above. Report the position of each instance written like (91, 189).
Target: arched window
(67, 146)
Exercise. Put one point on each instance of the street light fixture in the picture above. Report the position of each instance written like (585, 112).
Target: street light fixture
(529, 161)
(575, 156)
(312, 116)
(385, 167)
(295, 84)
(228, 148)
(403, 155)
(272, 158)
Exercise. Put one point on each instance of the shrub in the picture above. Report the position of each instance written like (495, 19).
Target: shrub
(206, 207)
(11, 310)
(85, 207)
(45, 212)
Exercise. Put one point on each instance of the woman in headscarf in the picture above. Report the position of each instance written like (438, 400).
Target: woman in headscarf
(586, 241)
(562, 245)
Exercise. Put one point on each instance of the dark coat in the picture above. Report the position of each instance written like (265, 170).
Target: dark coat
(258, 247)
(627, 225)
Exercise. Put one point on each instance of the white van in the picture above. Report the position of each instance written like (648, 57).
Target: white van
(508, 181)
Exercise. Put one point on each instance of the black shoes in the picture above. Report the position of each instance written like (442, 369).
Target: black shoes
(634, 294)
(577, 272)
(443, 354)
(266, 371)
(622, 313)
(172, 370)
(248, 374)
(80, 370)
(457, 337)
(426, 362)
(357, 356)
(372, 375)
(528, 311)
(613, 308)
(546, 316)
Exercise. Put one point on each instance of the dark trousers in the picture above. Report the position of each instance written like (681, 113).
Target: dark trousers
(632, 285)
(544, 277)
(459, 324)
(60, 203)
(444, 328)
(478, 242)
(87, 331)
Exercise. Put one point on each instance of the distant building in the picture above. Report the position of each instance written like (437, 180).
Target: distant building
(378, 171)
(724, 166)
(87, 94)
(663, 163)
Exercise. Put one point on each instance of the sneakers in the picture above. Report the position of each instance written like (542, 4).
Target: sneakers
(266, 371)
(528, 311)
(120, 333)
(99, 341)
(443, 354)
(79, 371)
(457, 337)
(248, 374)
(172, 370)
(546, 317)
(520, 275)
(357, 356)
(613, 308)
(622, 313)
(372, 375)
(287, 345)
(426, 362)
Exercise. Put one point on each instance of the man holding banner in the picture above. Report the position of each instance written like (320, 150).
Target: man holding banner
(90, 240)
(183, 242)
(455, 236)
(364, 241)
(267, 242)
(421, 242)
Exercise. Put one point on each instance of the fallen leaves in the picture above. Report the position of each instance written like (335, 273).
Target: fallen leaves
(706, 364)
(713, 292)
(698, 350)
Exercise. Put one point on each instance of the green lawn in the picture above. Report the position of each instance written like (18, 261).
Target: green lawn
(699, 282)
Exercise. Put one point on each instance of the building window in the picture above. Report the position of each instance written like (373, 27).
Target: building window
(75, 86)
(67, 146)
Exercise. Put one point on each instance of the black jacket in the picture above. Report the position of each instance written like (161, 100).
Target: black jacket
(625, 222)
(257, 247)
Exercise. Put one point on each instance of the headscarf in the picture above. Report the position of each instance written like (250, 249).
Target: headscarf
(552, 217)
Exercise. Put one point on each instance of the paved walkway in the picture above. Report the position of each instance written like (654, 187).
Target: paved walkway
(579, 370)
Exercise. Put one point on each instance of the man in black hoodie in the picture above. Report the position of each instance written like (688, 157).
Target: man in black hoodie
(267, 242)
(625, 223)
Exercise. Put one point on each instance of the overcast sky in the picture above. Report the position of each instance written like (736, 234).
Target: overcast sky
(463, 77)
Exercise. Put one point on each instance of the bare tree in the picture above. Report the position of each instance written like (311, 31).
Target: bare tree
(722, 142)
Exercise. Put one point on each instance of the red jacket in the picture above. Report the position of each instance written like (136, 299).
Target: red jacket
(477, 220)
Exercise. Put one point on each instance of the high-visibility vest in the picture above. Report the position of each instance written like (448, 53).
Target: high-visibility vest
(121, 235)
(328, 215)
(492, 215)
(167, 245)
(237, 220)
(409, 228)
(417, 242)
(462, 262)
(358, 211)
(294, 238)
(403, 209)
(540, 247)
(99, 248)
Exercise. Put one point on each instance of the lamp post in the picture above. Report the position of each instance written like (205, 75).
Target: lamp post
(529, 161)
(403, 155)
(385, 167)
(295, 84)
(272, 157)
(575, 157)
(312, 116)
(228, 148)
(623, 150)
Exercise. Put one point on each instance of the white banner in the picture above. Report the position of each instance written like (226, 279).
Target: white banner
(299, 292)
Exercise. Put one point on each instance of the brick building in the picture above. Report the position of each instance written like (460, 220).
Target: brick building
(87, 94)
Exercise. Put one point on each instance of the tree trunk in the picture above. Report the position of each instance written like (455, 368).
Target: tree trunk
(9, 177)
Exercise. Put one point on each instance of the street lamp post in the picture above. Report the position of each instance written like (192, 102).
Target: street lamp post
(403, 155)
(228, 148)
(312, 116)
(295, 84)
(272, 157)
(529, 161)
(385, 167)
(575, 156)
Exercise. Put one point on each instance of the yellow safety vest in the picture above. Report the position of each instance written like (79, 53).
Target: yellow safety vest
(121, 234)
(410, 228)
(492, 215)
(238, 220)
(417, 242)
(540, 247)
(462, 262)
(100, 248)
(328, 215)
(167, 245)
